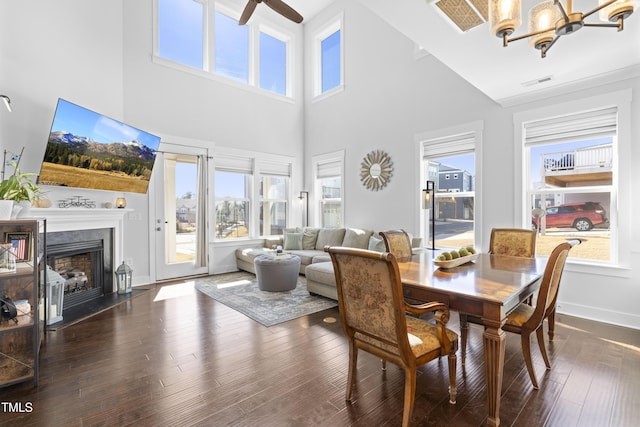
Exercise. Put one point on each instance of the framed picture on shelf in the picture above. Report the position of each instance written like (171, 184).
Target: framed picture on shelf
(20, 245)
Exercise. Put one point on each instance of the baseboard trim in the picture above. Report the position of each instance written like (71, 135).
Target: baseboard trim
(628, 320)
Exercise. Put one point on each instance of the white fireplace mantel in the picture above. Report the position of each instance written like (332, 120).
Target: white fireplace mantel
(71, 219)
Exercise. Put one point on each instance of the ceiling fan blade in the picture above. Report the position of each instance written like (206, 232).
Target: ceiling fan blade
(284, 9)
(247, 12)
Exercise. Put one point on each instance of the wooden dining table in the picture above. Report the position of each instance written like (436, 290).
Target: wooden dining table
(488, 288)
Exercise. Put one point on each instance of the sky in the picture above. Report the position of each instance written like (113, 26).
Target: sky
(80, 121)
(185, 178)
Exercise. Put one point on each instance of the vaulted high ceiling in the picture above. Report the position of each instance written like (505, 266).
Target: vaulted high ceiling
(507, 74)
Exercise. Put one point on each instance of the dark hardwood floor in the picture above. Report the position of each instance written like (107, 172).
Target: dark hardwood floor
(175, 357)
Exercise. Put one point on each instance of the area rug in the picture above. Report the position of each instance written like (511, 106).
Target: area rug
(240, 292)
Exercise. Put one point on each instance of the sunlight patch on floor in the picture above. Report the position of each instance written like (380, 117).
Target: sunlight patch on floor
(232, 284)
(622, 344)
(175, 291)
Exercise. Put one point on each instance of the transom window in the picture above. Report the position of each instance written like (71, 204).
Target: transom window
(254, 54)
(329, 58)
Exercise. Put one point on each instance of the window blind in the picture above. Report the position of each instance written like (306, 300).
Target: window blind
(329, 168)
(275, 168)
(584, 125)
(235, 164)
(451, 145)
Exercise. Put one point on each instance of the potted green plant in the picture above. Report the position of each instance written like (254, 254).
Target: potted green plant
(16, 189)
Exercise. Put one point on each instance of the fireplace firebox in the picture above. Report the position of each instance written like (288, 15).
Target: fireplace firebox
(84, 260)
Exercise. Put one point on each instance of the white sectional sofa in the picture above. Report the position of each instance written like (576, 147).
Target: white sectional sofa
(308, 243)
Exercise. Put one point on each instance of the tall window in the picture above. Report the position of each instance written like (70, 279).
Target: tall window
(181, 31)
(231, 48)
(253, 54)
(273, 64)
(252, 195)
(274, 197)
(329, 48)
(232, 201)
(328, 174)
(570, 184)
(449, 161)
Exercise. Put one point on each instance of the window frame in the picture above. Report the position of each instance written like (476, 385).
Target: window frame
(425, 166)
(246, 199)
(272, 169)
(256, 165)
(287, 39)
(621, 205)
(256, 25)
(336, 157)
(333, 25)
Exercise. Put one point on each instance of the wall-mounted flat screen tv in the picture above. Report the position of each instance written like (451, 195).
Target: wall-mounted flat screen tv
(88, 150)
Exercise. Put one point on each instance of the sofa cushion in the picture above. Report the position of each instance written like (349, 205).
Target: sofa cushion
(329, 236)
(324, 257)
(306, 257)
(321, 272)
(357, 238)
(248, 254)
(309, 237)
(376, 244)
(292, 241)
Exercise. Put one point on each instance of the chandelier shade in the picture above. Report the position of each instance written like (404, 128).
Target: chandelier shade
(504, 16)
(618, 9)
(551, 19)
(542, 23)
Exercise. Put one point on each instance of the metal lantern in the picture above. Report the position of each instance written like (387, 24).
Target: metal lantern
(124, 273)
(55, 296)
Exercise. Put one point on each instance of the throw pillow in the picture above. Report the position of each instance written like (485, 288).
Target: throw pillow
(376, 244)
(292, 241)
(329, 236)
(309, 237)
(356, 238)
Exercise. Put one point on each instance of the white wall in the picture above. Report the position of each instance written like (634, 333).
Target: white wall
(390, 97)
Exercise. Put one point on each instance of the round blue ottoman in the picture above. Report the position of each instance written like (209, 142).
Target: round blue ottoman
(277, 274)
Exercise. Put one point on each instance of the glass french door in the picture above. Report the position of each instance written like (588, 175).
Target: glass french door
(180, 209)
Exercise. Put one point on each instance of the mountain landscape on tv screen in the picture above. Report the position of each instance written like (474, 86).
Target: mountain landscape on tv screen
(77, 161)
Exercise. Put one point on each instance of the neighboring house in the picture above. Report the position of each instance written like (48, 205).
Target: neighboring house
(583, 166)
(453, 180)
(186, 210)
(588, 166)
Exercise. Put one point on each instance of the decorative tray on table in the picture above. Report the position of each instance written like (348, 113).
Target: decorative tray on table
(455, 262)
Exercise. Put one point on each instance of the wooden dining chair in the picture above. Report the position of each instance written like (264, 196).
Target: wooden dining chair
(525, 319)
(504, 241)
(513, 242)
(373, 315)
(398, 243)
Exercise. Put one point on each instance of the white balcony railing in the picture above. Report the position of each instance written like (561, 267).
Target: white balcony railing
(578, 161)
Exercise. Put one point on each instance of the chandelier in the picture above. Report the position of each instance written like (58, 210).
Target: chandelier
(550, 20)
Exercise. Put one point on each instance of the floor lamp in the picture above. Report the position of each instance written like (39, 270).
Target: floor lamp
(429, 202)
(305, 195)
